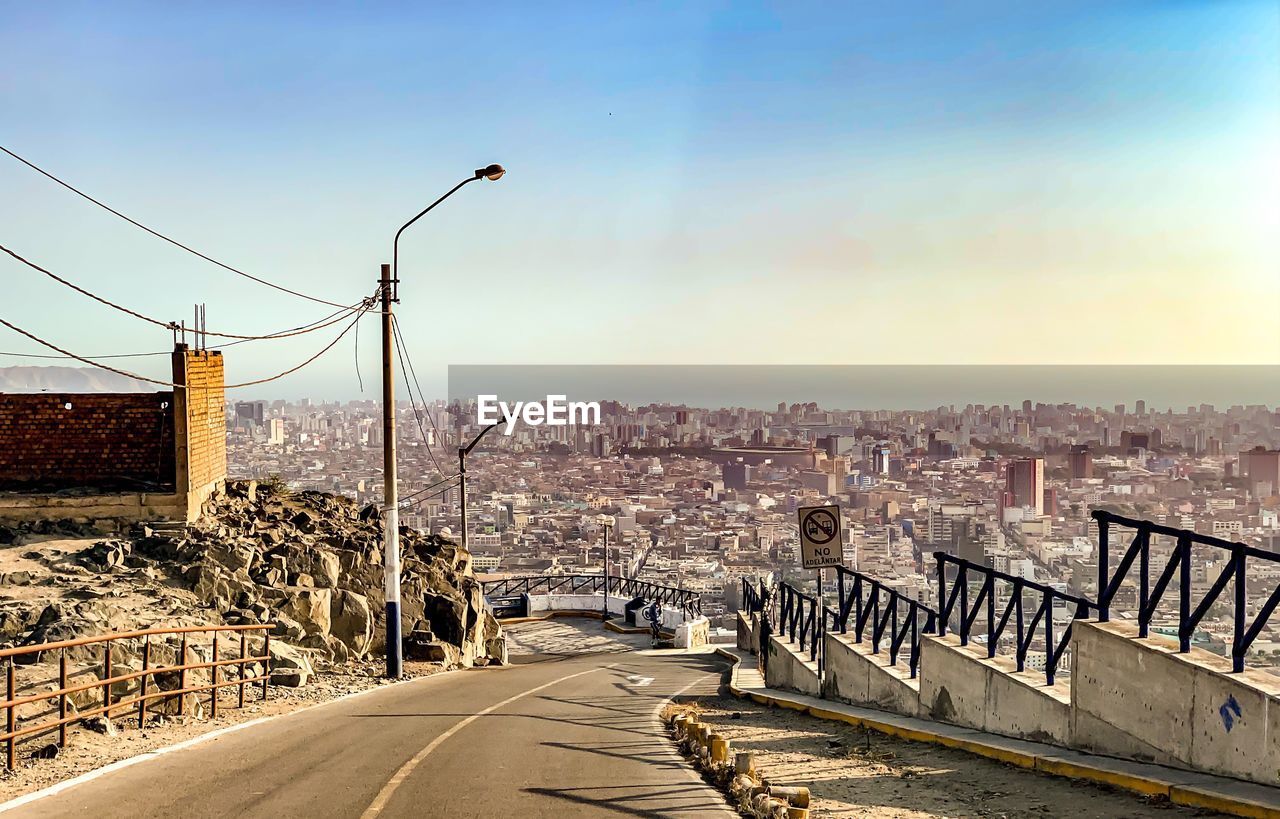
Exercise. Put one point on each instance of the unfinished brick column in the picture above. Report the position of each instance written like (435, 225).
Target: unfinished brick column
(200, 426)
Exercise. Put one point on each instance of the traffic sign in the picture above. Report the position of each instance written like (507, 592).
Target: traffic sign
(820, 541)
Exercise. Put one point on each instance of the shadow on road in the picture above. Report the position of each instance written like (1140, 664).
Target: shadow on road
(664, 802)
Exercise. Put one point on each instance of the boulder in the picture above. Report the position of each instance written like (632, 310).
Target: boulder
(290, 666)
(420, 645)
(233, 556)
(447, 616)
(324, 568)
(247, 490)
(105, 555)
(284, 626)
(218, 587)
(310, 608)
(495, 649)
(304, 521)
(352, 621)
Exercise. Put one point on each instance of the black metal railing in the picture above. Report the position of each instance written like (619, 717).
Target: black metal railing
(752, 598)
(795, 618)
(1189, 617)
(966, 613)
(893, 618)
(690, 602)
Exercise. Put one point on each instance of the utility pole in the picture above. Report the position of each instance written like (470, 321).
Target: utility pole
(607, 521)
(391, 495)
(389, 281)
(463, 452)
(462, 487)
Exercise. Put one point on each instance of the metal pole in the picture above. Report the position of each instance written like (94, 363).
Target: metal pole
(391, 499)
(820, 619)
(462, 487)
(462, 475)
(606, 571)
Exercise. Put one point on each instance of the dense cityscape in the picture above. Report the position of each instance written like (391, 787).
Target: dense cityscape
(701, 498)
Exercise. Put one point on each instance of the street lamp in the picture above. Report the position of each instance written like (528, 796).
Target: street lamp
(607, 522)
(463, 452)
(388, 285)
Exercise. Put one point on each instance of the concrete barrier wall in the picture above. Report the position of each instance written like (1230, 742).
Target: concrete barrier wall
(693, 633)
(749, 632)
(540, 603)
(963, 687)
(790, 670)
(1141, 699)
(852, 674)
(125, 506)
(1123, 697)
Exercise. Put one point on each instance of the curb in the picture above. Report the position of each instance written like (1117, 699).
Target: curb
(1052, 764)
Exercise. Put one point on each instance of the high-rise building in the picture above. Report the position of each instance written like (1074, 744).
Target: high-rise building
(249, 413)
(825, 483)
(1081, 462)
(736, 475)
(1024, 484)
(830, 444)
(1261, 467)
(1134, 440)
(880, 460)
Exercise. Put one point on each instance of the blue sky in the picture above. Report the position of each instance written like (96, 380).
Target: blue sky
(705, 183)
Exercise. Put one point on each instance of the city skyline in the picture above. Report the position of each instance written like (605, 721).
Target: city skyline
(1088, 184)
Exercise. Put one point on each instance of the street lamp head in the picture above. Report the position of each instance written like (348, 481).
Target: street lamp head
(493, 172)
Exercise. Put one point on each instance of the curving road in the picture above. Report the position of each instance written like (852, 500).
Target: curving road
(568, 729)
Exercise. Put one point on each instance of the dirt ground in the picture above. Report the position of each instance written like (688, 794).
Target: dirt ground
(853, 772)
(88, 750)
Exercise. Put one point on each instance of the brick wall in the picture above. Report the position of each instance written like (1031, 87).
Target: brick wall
(200, 425)
(149, 444)
(206, 419)
(105, 441)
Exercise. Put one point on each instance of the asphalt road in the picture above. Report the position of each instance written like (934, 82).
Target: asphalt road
(569, 729)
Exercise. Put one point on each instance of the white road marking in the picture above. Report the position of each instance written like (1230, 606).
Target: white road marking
(670, 748)
(638, 681)
(380, 801)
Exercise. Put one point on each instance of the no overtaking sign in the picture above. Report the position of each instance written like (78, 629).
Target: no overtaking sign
(820, 541)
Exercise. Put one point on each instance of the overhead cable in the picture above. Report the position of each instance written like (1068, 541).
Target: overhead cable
(401, 352)
(395, 326)
(173, 242)
(332, 318)
(127, 374)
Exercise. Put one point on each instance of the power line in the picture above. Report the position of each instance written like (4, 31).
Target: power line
(317, 325)
(92, 357)
(173, 242)
(331, 319)
(429, 487)
(400, 351)
(395, 326)
(168, 325)
(127, 374)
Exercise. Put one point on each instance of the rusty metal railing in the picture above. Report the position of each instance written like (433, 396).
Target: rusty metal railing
(12, 702)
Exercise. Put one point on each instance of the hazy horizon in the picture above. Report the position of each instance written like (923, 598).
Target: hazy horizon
(1060, 183)
(889, 387)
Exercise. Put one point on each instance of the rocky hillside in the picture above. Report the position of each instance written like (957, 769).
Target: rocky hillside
(307, 563)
